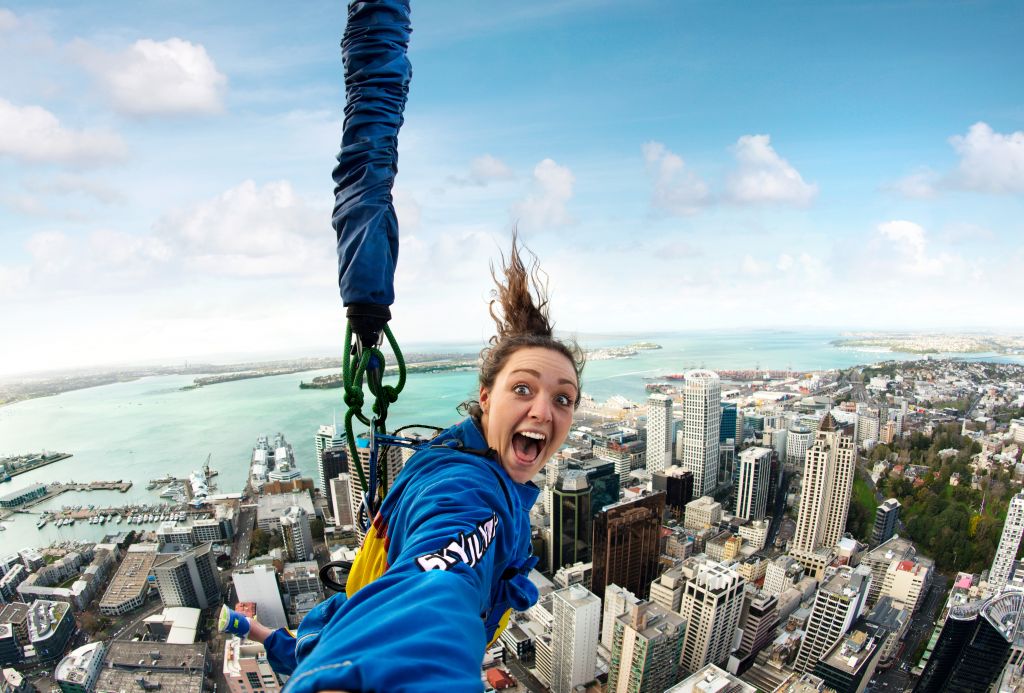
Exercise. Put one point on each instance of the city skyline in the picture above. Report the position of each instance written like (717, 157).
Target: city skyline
(869, 151)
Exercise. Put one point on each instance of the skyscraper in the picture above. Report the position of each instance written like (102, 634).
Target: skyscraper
(702, 413)
(677, 483)
(753, 475)
(189, 578)
(331, 462)
(837, 604)
(341, 501)
(798, 439)
(974, 645)
(711, 605)
(627, 539)
(758, 617)
(575, 632)
(886, 516)
(571, 520)
(298, 539)
(645, 649)
(1009, 543)
(825, 496)
(258, 585)
(660, 432)
(617, 601)
(394, 465)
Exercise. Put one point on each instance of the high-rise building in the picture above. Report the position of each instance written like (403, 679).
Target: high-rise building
(331, 463)
(571, 521)
(758, 617)
(78, 671)
(603, 480)
(575, 632)
(727, 428)
(754, 473)
(702, 513)
(627, 538)
(781, 574)
(298, 538)
(711, 605)
(886, 516)
(798, 439)
(258, 585)
(645, 650)
(837, 604)
(677, 483)
(660, 432)
(393, 466)
(974, 645)
(702, 414)
(247, 669)
(616, 602)
(848, 666)
(868, 424)
(189, 578)
(1009, 544)
(825, 496)
(341, 502)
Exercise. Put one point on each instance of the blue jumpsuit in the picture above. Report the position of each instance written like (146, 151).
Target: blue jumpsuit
(447, 557)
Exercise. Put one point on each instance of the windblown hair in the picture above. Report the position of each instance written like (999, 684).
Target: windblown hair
(518, 307)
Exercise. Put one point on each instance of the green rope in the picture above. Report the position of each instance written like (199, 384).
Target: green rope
(383, 396)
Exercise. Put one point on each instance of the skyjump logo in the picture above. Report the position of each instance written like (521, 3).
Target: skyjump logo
(466, 548)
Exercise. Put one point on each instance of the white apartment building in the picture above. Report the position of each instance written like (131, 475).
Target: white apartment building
(577, 617)
(837, 604)
(258, 585)
(702, 512)
(702, 417)
(660, 432)
(617, 601)
(1009, 544)
(825, 496)
(298, 538)
(711, 604)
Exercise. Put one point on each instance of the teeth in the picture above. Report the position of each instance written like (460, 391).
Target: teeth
(531, 434)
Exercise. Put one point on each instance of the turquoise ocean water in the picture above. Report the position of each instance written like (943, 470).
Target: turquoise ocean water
(148, 428)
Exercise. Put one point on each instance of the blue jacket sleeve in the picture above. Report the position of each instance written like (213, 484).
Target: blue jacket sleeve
(420, 626)
(377, 74)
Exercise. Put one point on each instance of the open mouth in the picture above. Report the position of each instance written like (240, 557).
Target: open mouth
(527, 446)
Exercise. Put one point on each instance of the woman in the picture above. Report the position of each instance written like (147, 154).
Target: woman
(448, 554)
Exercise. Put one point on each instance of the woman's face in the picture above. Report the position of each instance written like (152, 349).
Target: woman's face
(528, 411)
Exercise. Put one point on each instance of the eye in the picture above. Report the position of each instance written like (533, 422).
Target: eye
(563, 400)
(521, 389)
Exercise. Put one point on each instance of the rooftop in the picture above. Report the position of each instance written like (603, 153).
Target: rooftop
(74, 668)
(169, 668)
(132, 574)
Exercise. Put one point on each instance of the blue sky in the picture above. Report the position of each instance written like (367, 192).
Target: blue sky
(675, 165)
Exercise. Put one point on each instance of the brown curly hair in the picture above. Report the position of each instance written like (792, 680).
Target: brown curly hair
(518, 307)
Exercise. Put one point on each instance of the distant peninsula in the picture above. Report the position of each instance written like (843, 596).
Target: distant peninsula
(931, 343)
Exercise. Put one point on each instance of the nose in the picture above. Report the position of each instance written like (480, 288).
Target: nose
(540, 410)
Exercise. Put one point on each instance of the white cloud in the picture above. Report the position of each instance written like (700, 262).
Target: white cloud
(905, 245)
(8, 21)
(407, 209)
(484, 170)
(154, 78)
(677, 190)
(545, 206)
(33, 134)
(68, 184)
(785, 262)
(920, 185)
(252, 230)
(761, 175)
(989, 161)
(751, 266)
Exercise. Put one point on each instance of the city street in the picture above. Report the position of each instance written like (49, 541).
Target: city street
(243, 535)
(898, 677)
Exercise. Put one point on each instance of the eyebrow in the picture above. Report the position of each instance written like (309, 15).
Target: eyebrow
(536, 374)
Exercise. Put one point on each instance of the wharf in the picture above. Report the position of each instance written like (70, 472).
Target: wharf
(56, 488)
(13, 466)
